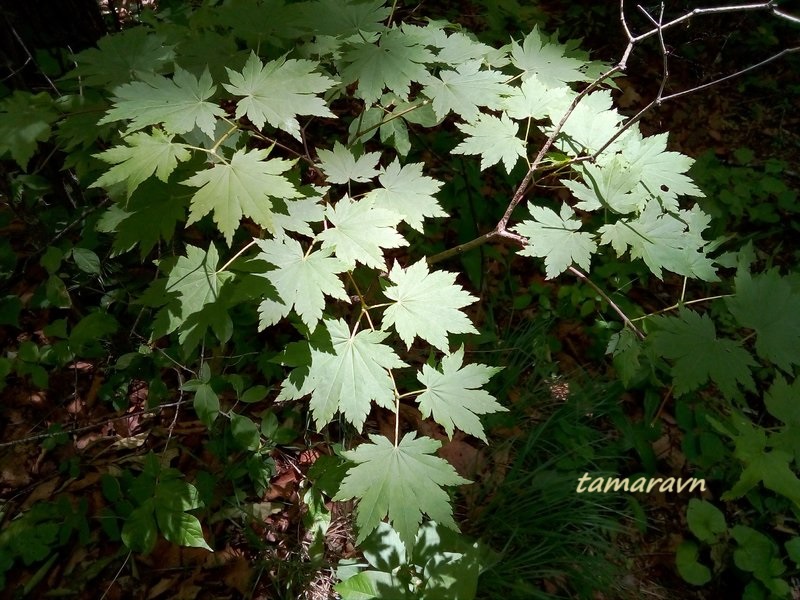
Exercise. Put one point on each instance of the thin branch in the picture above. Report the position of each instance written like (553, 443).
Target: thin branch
(625, 319)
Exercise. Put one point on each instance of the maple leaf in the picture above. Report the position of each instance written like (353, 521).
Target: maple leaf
(301, 280)
(453, 395)
(458, 48)
(359, 232)
(593, 122)
(195, 279)
(343, 18)
(662, 240)
(661, 173)
(341, 166)
(117, 57)
(535, 100)
(393, 63)
(144, 155)
(400, 481)
(777, 329)
(347, 378)
(241, 187)
(279, 91)
(494, 139)
(426, 305)
(546, 59)
(610, 184)
(407, 192)
(690, 339)
(25, 121)
(465, 89)
(179, 104)
(556, 239)
(299, 213)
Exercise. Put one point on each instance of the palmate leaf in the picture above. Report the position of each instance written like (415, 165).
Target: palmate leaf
(241, 187)
(403, 482)
(593, 122)
(394, 63)
(610, 184)
(426, 305)
(25, 120)
(546, 59)
(360, 231)
(179, 104)
(777, 329)
(535, 100)
(279, 91)
(453, 395)
(556, 239)
(301, 280)
(465, 89)
(196, 280)
(494, 140)
(341, 166)
(690, 340)
(144, 155)
(407, 192)
(349, 379)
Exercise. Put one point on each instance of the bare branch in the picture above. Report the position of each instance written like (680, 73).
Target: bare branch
(581, 275)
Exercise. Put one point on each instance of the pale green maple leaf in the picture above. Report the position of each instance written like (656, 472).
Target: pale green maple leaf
(144, 155)
(535, 100)
(343, 18)
(408, 192)
(195, 279)
(593, 122)
(557, 239)
(301, 280)
(661, 173)
(401, 482)
(117, 57)
(460, 48)
(359, 231)
(178, 104)
(341, 166)
(663, 241)
(427, 305)
(494, 139)
(545, 59)
(394, 62)
(768, 304)
(610, 185)
(465, 89)
(279, 91)
(453, 395)
(690, 340)
(298, 215)
(241, 187)
(349, 378)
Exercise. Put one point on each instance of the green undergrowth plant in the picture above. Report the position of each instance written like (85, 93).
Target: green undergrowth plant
(260, 182)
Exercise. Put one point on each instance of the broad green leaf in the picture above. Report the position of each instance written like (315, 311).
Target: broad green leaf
(465, 89)
(782, 403)
(25, 120)
(357, 587)
(359, 232)
(407, 192)
(494, 140)
(245, 432)
(610, 185)
(86, 260)
(547, 60)
(705, 520)
(298, 216)
(534, 100)
(589, 127)
(341, 166)
(278, 92)
(690, 340)
(241, 187)
(426, 304)
(195, 279)
(117, 57)
(181, 528)
(757, 554)
(664, 241)
(344, 18)
(144, 155)
(301, 279)
(556, 239)
(206, 404)
(453, 395)
(661, 173)
(401, 482)
(778, 328)
(348, 379)
(686, 559)
(179, 104)
(459, 47)
(139, 532)
(394, 62)
(176, 495)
